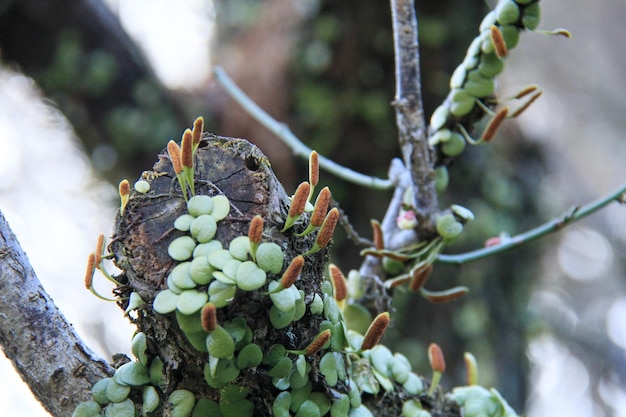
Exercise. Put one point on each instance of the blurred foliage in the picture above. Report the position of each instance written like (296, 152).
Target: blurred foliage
(133, 128)
(82, 60)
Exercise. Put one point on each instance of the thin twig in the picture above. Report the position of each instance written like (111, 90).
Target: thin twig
(552, 226)
(283, 132)
(412, 134)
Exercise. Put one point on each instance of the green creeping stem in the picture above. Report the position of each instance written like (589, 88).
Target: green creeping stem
(473, 80)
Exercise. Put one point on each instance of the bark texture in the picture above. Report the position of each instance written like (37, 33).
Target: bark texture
(238, 170)
(34, 335)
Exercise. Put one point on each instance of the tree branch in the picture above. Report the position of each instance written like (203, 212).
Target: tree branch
(410, 114)
(552, 226)
(43, 347)
(283, 132)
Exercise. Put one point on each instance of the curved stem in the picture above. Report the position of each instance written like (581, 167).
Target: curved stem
(551, 226)
(284, 133)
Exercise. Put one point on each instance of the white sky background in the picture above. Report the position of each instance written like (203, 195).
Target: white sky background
(41, 195)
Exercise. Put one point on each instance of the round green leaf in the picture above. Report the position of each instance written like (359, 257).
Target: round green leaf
(281, 319)
(230, 269)
(203, 228)
(125, 408)
(221, 207)
(221, 294)
(181, 403)
(219, 258)
(340, 406)
(455, 145)
(200, 271)
(206, 407)
(165, 302)
(99, 391)
(309, 409)
(150, 400)
(317, 305)
(225, 372)
(234, 403)
(199, 205)
(183, 223)
(281, 404)
(205, 249)
(139, 347)
(190, 301)
(239, 248)
(87, 409)
(156, 371)
(413, 385)
(220, 344)
(507, 12)
(282, 369)
(284, 300)
(131, 373)
(181, 277)
(250, 277)
(274, 355)
(328, 368)
(300, 395)
(116, 392)
(181, 248)
(249, 356)
(270, 257)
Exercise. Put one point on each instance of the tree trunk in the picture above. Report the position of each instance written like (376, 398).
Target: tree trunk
(35, 336)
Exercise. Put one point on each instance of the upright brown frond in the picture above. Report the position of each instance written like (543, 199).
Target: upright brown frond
(436, 359)
(318, 343)
(196, 133)
(314, 169)
(300, 198)
(91, 268)
(377, 231)
(328, 228)
(494, 125)
(124, 190)
(208, 317)
(255, 231)
(339, 282)
(174, 152)
(99, 249)
(375, 332)
(420, 276)
(321, 207)
(292, 272)
(526, 91)
(186, 152)
(526, 105)
(498, 42)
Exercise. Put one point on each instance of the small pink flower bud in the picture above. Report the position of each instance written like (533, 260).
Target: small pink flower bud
(406, 220)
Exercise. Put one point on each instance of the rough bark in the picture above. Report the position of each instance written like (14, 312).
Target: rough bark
(44, 348)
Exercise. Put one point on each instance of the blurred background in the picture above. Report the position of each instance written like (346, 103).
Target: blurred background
(90, 91)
